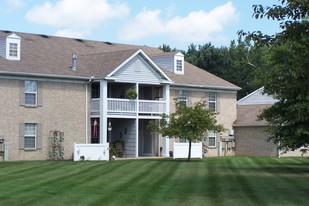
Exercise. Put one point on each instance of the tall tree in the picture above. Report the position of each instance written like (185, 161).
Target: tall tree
(287, 78)
(190, 123)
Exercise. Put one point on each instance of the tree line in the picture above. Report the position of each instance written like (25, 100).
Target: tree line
(240, 63)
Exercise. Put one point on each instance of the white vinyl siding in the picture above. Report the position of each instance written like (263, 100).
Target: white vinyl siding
(138, 70)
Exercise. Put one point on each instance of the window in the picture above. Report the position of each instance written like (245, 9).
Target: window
(183, 97)
(95, 90)
(179, 65)
(212, 102)
(211, 139)
(30, 92)
(30, 132)
(13, 50)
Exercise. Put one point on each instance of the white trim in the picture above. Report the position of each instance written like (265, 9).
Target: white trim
(109, 76)
(179, 57)
(249, 95)
(13, 39)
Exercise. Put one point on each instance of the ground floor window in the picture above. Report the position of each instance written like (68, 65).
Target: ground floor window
(211, 139)
(30, 132)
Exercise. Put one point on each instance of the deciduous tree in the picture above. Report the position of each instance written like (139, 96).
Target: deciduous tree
(189, 123)
(287, 77)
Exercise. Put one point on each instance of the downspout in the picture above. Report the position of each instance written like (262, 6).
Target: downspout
(87, 112)
(87, 120)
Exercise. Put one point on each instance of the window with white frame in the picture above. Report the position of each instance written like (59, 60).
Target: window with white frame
(179, 65)
(212, 101)
(183, 97)
(30, 133)
(31, 88)
(13, 49)
(212, 139)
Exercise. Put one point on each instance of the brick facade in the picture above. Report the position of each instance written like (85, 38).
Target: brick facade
(63, 108)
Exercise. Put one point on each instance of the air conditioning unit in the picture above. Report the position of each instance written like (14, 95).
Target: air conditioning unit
(231, 132)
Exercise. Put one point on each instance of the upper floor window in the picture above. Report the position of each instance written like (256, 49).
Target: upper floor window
(13, 50)
(179, 65)
(183, 97)
(212, 101)
(12, 47)
(95, 90)
(31, 92)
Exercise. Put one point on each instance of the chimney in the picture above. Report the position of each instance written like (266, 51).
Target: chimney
(74, 62)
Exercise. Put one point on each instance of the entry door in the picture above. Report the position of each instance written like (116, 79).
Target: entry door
(146, 139)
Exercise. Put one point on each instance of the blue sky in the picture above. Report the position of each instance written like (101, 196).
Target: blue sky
(177, 23)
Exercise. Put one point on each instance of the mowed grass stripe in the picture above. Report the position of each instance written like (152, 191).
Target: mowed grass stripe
(211, 181)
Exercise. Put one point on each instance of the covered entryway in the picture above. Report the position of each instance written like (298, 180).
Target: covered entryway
(148, 143)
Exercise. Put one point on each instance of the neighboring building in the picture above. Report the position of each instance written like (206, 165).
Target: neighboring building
(251, 139)
(78, 87)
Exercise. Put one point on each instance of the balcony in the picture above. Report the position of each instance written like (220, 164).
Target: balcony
(130, 107)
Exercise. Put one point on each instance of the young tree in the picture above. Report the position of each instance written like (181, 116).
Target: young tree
(287, 78)
(190, 123)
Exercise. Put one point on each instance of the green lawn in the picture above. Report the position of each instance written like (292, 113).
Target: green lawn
(211, 181)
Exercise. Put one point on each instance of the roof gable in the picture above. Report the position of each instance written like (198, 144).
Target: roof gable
(256, 97)
(139, 68)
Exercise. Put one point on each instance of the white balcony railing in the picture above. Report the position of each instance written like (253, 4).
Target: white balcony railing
(95, 105)
(130, 106)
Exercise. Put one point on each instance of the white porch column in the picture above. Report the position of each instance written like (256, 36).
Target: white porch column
(166, 140)
(137, 121)
(103, 111)
(137, 139)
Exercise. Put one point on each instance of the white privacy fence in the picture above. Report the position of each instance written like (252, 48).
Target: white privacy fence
(91, 152)
(181, 150)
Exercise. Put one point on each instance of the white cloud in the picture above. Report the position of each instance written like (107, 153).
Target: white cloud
(72, 33)
(197, 26)
(17, 3)
(72, 16)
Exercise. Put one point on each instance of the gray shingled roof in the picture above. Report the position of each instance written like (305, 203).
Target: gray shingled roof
(50, 55)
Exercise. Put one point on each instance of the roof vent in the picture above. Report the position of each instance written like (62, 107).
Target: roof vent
(44, 36)
(74, 62)
(79, 40)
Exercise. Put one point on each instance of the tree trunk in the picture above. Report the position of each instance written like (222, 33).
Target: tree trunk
(189, 155)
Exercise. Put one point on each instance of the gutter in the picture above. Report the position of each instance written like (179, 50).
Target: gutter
(59, 76)
(208, 87)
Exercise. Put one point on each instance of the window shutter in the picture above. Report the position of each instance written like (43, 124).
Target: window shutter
(39, 136)
(207, 100)
(218, 102)
(39, 93)
(21, 135)
(21, 93)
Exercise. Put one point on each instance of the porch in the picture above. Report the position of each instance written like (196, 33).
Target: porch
(126, 107)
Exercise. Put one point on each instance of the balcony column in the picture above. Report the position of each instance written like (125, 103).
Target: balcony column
(137, 121)
(166, 140)
(103, 111)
